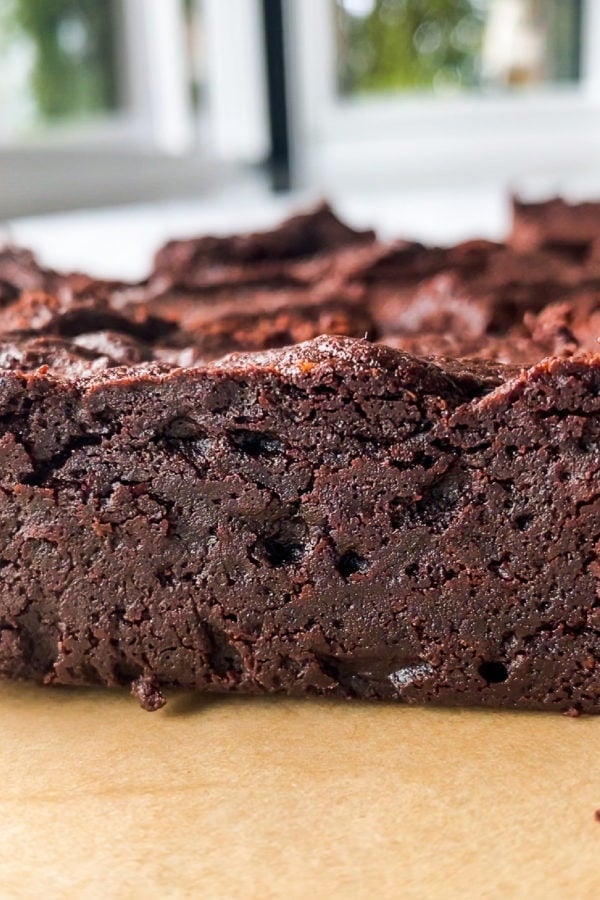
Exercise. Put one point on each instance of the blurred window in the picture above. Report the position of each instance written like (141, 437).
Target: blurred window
(443, 46)
(58, 63)
(112, 101)
(110, 69)
(400, 92)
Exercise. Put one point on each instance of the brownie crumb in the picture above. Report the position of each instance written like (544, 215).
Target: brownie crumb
(148, 693)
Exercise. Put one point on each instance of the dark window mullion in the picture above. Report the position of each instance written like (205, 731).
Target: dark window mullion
(277, 98)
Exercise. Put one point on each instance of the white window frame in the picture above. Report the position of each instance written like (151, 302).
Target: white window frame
(150, 37)
(153, 147)
(420, 140)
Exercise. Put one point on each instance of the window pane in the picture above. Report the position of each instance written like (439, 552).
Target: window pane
(441, 45)
(195, 39)
(57, 62)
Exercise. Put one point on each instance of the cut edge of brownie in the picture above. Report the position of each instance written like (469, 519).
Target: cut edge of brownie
(337, 518)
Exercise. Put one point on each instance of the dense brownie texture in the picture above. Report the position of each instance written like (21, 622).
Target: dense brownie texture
(412, 517)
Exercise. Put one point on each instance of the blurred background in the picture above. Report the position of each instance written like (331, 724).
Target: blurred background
(418, 115)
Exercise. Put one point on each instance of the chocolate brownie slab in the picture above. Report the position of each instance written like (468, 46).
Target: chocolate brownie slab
(413, 521)
(337, 519)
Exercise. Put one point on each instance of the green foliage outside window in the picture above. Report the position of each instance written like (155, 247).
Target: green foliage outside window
(409, 44)
(73, 54)
(382, 46)
(403, 45)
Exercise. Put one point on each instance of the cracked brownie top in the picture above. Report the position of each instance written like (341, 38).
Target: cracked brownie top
(480, 306)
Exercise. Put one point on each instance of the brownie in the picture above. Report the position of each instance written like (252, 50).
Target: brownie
(20, 269)
(411, 517)
(569, 229)
(299, 250)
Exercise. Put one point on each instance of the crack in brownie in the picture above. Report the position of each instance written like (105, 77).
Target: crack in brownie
(412, 517)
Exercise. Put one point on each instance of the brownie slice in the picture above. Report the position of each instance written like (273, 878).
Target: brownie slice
(20, 271)
(569, 229)
(479, 300)
(180, 326)
(301, 250)
(414, 520)
(337, 519)
(206, 297)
